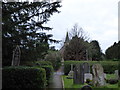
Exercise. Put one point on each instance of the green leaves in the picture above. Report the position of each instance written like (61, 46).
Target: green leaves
(113, 52)
(21, 23)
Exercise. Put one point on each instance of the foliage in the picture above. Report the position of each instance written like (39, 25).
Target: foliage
(110, 76)
(49, 72)
(112, 81)
(113, 52)
(109, 66)
(21, 22)
(43, 64)
(75, 49)
(54, 58)
(94, 51)
(119, 83)
(23, 77)
(34, 63)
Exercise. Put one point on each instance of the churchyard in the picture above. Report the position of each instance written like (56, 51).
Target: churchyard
(30, 61)
(94, 74)
(75, 74)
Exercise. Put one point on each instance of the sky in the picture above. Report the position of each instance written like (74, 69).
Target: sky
(98, 18)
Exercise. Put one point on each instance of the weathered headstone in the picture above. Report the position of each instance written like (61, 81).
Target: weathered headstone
(116, 74)
(98, 75)
(78, 77)
(86, 67)
(81, 74)
(87, 76)
(16, 56)
(105, 76)
(70, 74)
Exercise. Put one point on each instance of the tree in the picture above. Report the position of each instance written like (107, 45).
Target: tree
(95, 50)
(55, 58)
(76, 48)
(21, 22)
(113, 52)
(79, 32)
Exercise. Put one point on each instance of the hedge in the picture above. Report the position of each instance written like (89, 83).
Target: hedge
(23, 77)
(109, 66)
(49, 72)
(48, 68)
(40, 63)
(43, 64)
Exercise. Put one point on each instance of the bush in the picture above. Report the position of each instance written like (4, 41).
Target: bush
(48, 68)
(23, 77)
(109, 66)
(55, 59)
(42, 63)
(49, 72)
(34, 63)
(112, 81)
(119, 83)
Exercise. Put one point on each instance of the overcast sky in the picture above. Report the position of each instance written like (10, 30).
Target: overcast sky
(99, 18)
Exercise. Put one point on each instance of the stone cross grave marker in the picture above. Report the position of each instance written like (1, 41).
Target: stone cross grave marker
(86, 67)
(78, 77)
(16, 56)
(98, 75)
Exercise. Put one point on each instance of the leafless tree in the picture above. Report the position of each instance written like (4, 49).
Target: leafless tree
(79, 32)
(77, 47)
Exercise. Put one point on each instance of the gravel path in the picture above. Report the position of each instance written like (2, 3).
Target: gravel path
(57, 79)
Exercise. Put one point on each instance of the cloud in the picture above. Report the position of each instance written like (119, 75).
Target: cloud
(97, 17)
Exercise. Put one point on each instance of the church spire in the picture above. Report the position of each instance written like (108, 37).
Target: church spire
(67, 38)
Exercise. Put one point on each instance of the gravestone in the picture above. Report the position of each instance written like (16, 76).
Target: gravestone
(70, 74)
(105, 76)
(98, 75)
(86, 67)
(81, 74)
(116, 74)
(78, 77)
(16, 56)
(87, 76)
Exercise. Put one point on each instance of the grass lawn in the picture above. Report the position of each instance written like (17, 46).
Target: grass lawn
(68, 83)
(110, 76)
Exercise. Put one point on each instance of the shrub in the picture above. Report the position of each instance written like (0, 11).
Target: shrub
(42, 63)
(34, 63)
(48, 68)
(49, 72)
(119, 83)
(112, 81)
(23, 77)
(109, 66)
(55, 59)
